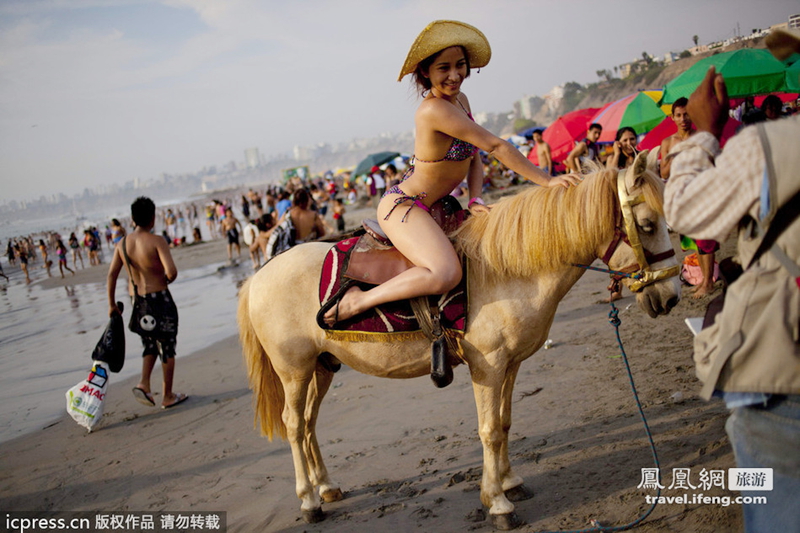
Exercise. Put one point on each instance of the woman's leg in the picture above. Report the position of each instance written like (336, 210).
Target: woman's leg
(420, 239)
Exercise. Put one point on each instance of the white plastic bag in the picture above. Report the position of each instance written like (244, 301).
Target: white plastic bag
(85, 400)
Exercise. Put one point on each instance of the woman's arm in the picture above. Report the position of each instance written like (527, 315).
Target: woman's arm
(475, 177)
(442, 116)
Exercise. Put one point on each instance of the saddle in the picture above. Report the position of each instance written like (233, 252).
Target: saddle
(375, 260)
(368, 258)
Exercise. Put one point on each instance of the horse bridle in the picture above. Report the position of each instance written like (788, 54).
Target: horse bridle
(625, 230)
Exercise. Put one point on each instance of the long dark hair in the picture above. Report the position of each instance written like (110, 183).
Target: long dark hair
(623, 158)
(422, 82)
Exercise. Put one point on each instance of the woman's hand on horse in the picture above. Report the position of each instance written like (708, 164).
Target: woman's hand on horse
(476, 208)
(565, 180)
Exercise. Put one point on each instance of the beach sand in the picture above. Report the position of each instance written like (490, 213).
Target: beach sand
(407, 455)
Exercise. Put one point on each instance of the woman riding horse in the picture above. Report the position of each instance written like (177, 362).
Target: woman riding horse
(446, 149)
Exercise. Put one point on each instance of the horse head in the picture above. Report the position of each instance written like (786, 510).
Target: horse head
(641, 246)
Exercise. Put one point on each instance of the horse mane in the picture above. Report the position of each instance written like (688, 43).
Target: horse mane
(543, 229)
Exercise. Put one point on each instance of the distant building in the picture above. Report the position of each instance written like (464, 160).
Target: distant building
(794, 21)
(528, 106)
(252, 158)
(670, 57)
(553, 99)
(625, 70)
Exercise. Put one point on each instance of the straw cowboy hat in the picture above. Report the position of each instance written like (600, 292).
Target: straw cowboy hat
(441, 34)
(783, 42)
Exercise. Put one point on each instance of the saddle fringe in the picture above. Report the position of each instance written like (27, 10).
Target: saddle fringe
(452, 336)
(370, 336)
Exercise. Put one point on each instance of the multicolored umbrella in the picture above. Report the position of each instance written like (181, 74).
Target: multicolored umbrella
(747, 72)
(562, 134)
(638, 111)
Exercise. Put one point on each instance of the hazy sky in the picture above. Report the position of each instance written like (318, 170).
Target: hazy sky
(103, 91)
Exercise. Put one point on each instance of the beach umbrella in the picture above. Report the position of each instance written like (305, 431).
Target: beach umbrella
(638, 111)
(758, 100)
(652, 140)
(564, 132)
(747, 72)
(793, 77)
(373, 160)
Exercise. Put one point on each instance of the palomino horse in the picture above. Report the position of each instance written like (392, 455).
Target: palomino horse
(521, 257)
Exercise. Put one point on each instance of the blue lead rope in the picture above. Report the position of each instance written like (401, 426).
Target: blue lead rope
(613, 318)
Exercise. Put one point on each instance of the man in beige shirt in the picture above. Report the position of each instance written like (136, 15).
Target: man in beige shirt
(151, 270)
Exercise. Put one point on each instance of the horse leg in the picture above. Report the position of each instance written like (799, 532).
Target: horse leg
(512, 484)
(328, 490)
(296, 391)
(494, 437)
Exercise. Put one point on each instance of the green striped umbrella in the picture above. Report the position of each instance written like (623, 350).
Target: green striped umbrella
(747, 72)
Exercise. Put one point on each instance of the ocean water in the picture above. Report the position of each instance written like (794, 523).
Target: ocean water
(47, 337)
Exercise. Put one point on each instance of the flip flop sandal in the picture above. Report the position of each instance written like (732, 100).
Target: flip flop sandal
(143, 397)
(179, 399)
(333, 301)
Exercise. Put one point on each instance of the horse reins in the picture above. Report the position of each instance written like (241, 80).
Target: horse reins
(625, 231)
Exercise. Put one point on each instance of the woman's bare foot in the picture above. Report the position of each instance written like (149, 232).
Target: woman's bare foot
(348, 306)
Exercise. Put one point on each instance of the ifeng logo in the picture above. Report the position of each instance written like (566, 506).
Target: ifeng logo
(750, 479)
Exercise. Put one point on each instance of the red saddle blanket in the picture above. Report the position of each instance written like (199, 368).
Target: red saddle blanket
(394, 318)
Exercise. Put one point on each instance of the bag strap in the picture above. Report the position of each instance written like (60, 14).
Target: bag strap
(128, 264)
(786, 261)
(784, 216)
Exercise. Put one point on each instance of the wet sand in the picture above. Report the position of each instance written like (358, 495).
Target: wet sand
(406, 454)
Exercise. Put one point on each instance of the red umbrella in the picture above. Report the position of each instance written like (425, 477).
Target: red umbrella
(562, 134)
(652, 140)
(758, 100)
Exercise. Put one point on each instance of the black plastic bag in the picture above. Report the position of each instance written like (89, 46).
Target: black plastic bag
(111, 347)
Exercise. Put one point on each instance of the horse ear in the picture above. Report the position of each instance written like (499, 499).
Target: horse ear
(633, 178)
(652, 159)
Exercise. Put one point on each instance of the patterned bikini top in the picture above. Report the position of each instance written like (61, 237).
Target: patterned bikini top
(459, 150)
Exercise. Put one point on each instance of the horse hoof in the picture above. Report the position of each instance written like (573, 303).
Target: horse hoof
(506, 522)
(313, 516)
(331, 496)
(520, 493)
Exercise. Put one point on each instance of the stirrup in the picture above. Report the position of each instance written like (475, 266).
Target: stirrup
(441, 371)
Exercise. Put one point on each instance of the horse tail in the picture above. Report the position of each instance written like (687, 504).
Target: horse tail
(268, 395)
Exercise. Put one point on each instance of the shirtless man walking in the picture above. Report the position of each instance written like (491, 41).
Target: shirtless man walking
(543, 153)
(231, 227)
(152, 269)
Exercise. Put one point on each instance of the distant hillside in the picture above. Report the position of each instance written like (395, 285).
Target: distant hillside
(598, 94)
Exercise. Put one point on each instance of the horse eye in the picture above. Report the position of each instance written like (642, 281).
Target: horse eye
(647, 227)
